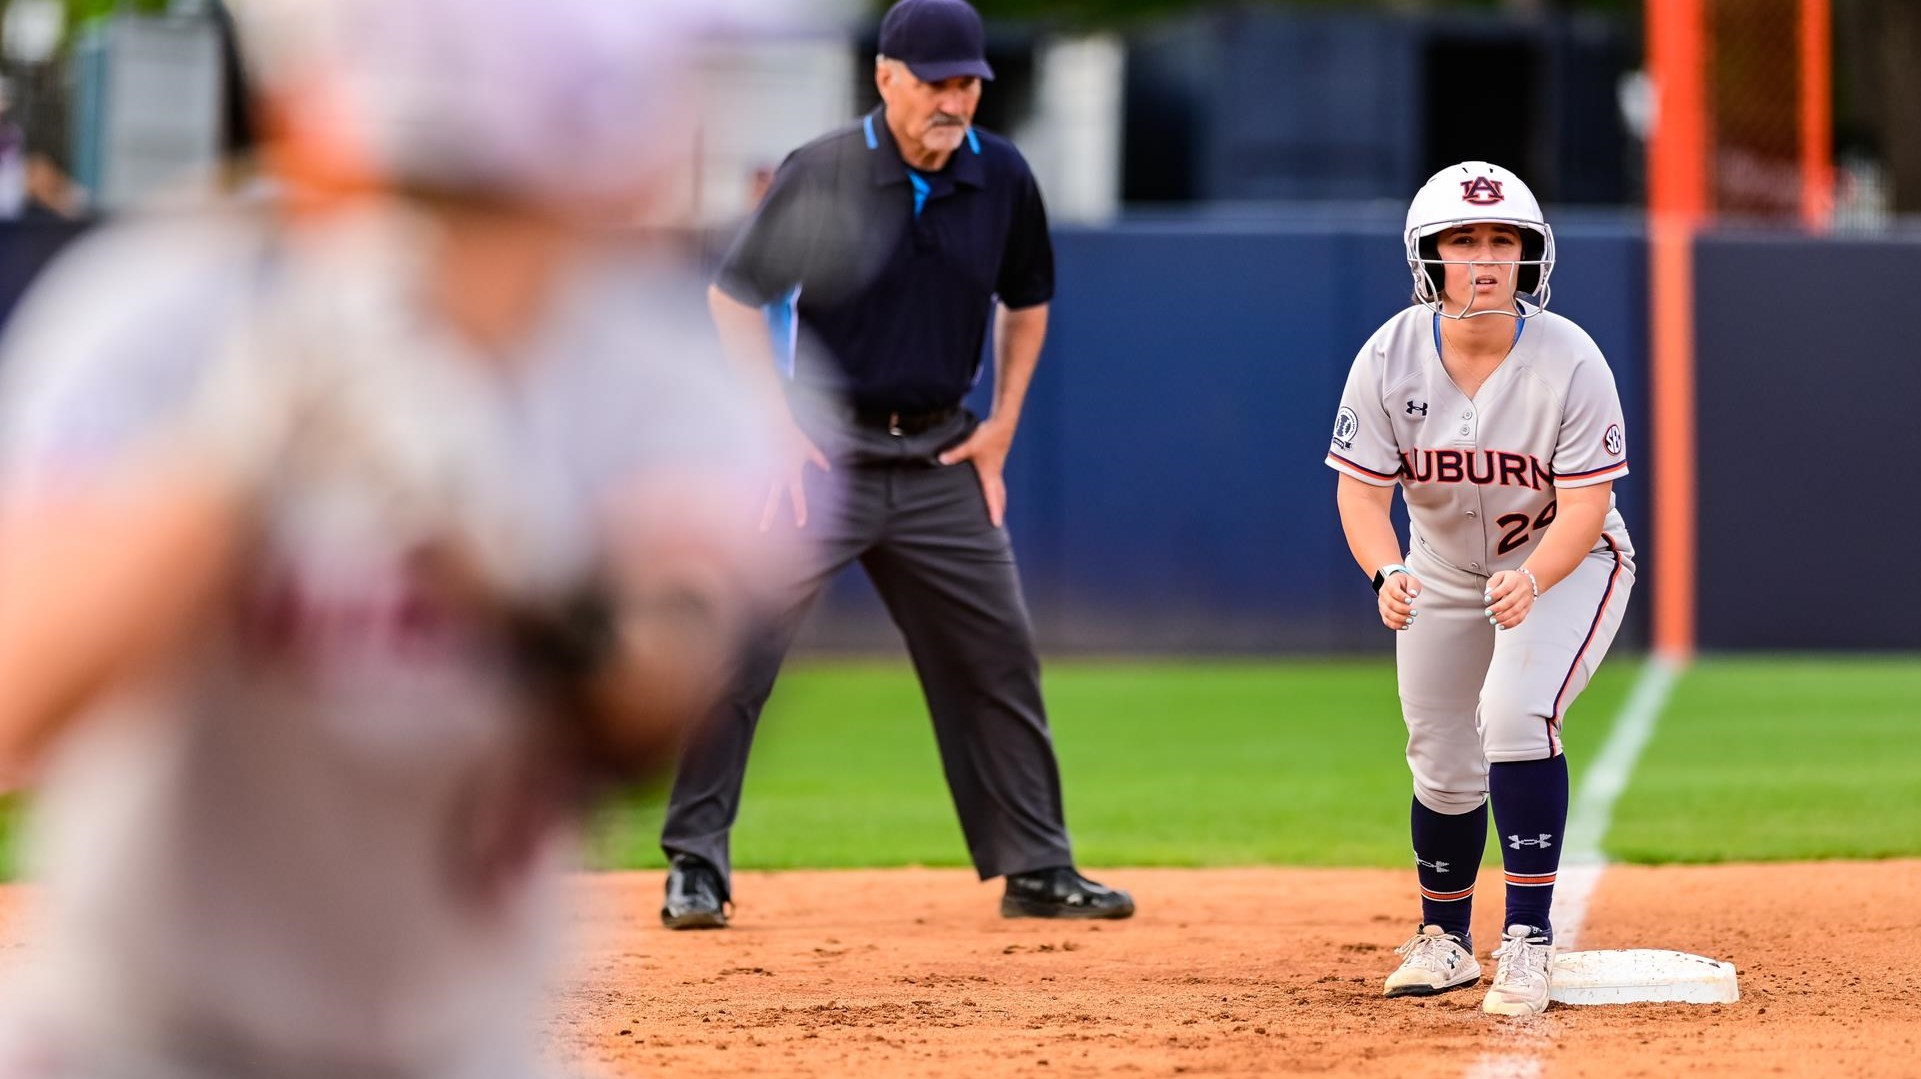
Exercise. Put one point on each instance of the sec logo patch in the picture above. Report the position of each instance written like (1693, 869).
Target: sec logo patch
(1346, 423)
(1611, 441)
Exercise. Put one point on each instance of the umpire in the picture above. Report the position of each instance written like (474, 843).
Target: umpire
(887, 243)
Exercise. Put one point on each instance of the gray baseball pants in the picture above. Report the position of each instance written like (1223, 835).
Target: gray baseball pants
(948, 579)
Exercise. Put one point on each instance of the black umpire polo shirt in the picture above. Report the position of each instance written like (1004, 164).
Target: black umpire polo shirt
(892, 273)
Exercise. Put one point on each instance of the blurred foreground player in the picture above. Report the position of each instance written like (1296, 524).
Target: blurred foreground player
(343, 553)
(896, 242)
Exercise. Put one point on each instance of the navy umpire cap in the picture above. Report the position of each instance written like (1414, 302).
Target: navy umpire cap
(936, 39)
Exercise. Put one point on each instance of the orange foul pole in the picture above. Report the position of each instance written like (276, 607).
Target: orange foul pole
(1817, 115)
(1677, 203)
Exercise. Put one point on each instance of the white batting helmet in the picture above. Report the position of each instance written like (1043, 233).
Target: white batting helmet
(1470, 193)
(576, 102)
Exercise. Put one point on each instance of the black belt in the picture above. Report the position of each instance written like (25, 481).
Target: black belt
(904, 423)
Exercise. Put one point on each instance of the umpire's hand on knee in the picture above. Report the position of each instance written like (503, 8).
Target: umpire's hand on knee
(797, 452)
(1509, 598)
(987, 447)
(1397, 597)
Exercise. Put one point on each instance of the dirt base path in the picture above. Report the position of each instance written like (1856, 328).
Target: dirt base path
(1229, 972)
(1240, 972)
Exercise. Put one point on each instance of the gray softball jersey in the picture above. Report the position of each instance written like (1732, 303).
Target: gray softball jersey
(330, 851)
(1479, 474)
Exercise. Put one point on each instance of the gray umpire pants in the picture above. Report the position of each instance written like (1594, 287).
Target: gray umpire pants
(948, 579)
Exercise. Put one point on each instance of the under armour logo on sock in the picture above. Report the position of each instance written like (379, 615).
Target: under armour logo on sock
(1515, 842)
(1438, 867)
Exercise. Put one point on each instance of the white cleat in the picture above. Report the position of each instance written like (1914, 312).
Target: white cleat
(1432, 962)
(1521, 981)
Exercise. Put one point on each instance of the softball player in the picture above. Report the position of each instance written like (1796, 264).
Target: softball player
(1500, 423)
(306, 521)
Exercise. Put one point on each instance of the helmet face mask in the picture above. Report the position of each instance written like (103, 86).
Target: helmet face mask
(1475, 192)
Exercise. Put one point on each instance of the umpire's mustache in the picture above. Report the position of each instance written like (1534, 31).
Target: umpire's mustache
(946, 119)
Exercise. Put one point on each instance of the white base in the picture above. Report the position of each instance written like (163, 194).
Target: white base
(1641, 974)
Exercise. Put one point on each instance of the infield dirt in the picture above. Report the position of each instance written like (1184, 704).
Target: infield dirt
(1228, 972)
(1225, 972)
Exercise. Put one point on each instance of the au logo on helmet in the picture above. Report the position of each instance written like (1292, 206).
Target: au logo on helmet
(1481, 191)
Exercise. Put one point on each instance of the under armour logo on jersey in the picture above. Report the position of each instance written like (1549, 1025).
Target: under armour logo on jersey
(1611, 441)
(1438, 867)
(1481, 191)
(1515, 842)
(1412, 408)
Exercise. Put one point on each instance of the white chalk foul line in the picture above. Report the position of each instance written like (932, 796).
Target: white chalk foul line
(1588, 819)
(1506, 1065)
(1601, 785)
(1592, 813)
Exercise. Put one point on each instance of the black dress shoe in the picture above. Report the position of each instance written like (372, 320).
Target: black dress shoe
(696, 899)
(1061, 892)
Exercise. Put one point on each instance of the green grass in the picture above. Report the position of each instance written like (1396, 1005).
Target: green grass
(1164, 763)
(1780, 758)
(1299, 763)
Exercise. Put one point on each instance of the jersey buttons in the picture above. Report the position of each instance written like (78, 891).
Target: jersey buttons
(1472, 513)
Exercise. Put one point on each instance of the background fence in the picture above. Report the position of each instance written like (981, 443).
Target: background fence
(1167, 491)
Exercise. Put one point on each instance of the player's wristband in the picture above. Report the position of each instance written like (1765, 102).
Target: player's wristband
(1531, 580)
(1381, 575)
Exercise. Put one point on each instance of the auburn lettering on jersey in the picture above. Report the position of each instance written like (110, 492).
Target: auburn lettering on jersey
(1483, 468)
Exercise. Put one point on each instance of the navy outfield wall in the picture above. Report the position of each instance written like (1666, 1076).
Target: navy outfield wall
(1166, 489)
(1808, 378)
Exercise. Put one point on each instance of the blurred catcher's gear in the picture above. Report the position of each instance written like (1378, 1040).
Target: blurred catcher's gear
(591, 663)
(1470, 193)
(616, 643)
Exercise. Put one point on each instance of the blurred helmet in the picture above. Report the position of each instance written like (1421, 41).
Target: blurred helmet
(572, 102)
(1470, 193)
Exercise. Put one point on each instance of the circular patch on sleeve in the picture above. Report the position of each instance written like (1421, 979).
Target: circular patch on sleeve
(1346, 424)
(1611, 440)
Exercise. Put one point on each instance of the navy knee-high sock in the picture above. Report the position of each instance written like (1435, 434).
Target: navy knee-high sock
(1530, 809)
(1447, 855)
